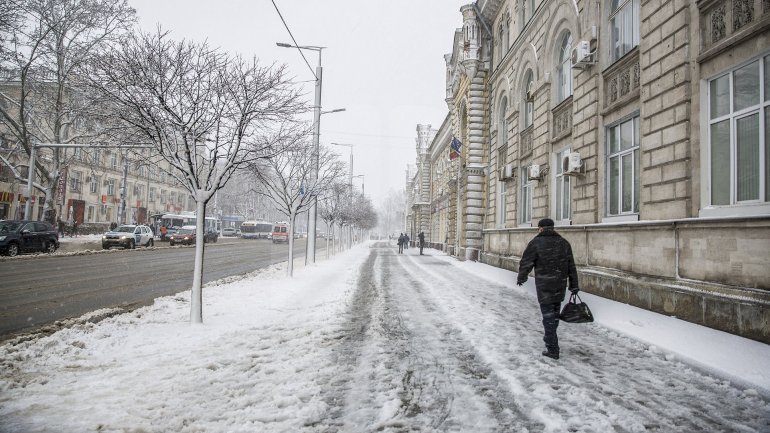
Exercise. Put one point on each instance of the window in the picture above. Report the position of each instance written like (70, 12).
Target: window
(97, 157)
(528, 101)
(623, 168)
(76, 179)
(504, 33)
(501, 203)
(739, 135)
(152, 194)
(163, 196)
(527, 9)
(564, 73)
(624, 27)
(502, 133)
(114, 161)
(525, 216)
(93, 184)
(111, 187)
(91, 214)
(562, 189)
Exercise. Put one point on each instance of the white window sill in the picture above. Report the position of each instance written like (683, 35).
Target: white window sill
(742, 210)
(620, 218)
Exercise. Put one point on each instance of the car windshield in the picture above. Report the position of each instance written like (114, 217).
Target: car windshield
(185, 231)
(125, 229)
(6, 227)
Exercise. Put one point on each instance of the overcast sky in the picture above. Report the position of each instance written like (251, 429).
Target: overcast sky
(384, 63)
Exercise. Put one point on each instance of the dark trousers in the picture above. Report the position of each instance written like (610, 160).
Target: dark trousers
(422, 244)
(400, 248)
(550, 323)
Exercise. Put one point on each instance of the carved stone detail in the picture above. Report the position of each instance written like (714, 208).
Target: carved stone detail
(525, 142)
(718, 27)
(613, 89)
(743, 13)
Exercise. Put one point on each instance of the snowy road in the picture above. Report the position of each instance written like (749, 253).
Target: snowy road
(369, 341)
(462, 354)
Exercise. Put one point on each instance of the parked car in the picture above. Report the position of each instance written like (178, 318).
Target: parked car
(228, 231)
(18, 236)
(128, 236)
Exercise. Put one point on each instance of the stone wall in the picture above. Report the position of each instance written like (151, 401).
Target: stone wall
(714, 272)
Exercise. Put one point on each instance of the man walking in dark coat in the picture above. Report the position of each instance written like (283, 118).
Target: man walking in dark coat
(421, 237)
(401, 243)
(551, 256)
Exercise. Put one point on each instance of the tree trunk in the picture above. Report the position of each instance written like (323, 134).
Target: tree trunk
(290, 268)
(196, 298)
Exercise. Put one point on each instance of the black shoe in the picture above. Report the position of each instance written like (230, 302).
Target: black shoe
(554, 355)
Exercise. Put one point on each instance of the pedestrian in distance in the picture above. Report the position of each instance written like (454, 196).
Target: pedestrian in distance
(163, 232)
(61, 227)
(406, 241)
(421, 237)
(74, 228)
(401, 243)
(551, 257)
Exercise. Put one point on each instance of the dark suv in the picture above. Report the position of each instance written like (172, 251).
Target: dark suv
(27, 236)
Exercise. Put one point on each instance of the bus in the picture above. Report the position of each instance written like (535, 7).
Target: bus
(281, 232)
(175, 221)
(255, 229)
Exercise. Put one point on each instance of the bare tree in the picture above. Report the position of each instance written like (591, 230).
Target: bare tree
(363, 217)
(205, 112)
(45, 46)
(287, 179)
(330, 206)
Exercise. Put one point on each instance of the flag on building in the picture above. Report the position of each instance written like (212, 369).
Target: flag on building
(454, 149)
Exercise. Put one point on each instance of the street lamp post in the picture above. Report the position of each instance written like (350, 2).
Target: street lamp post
(363, 191)
(313, 211)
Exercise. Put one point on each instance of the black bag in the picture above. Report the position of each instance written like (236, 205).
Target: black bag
(576, 311)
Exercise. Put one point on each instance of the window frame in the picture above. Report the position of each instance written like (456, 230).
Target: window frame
(526, 188)
(762, 110)
(634, 13)
(565, 87)
(528, 104)
(559, 179)
(635, 152)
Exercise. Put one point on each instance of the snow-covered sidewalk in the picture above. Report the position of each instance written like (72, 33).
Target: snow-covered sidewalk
(375, 341)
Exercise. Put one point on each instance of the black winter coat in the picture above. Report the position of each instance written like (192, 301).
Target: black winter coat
(551, 256)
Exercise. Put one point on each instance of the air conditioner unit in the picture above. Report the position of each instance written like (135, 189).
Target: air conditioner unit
(583, 55)
(533, 172)
(506, 172)
(571, 164)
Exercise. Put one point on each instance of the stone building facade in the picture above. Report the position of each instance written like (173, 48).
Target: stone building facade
(642, 127)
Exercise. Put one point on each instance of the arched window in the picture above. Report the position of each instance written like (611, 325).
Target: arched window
(564, 72)
(502, 132)
(526, 11)
(528, 99)
(504, 35)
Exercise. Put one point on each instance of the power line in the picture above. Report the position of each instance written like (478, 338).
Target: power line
(294, 40)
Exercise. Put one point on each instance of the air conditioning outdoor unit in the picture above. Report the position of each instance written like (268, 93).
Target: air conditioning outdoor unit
(584, 54)
(533, 172)
(506, 172)
(571, 164)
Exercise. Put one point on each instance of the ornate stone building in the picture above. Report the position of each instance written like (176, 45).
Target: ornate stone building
(641, 127)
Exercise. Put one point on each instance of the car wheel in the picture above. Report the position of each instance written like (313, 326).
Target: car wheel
(131, 245)
(13, 249)
(171, 243)
(105, 247)
(151, 243)
(50, 247)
